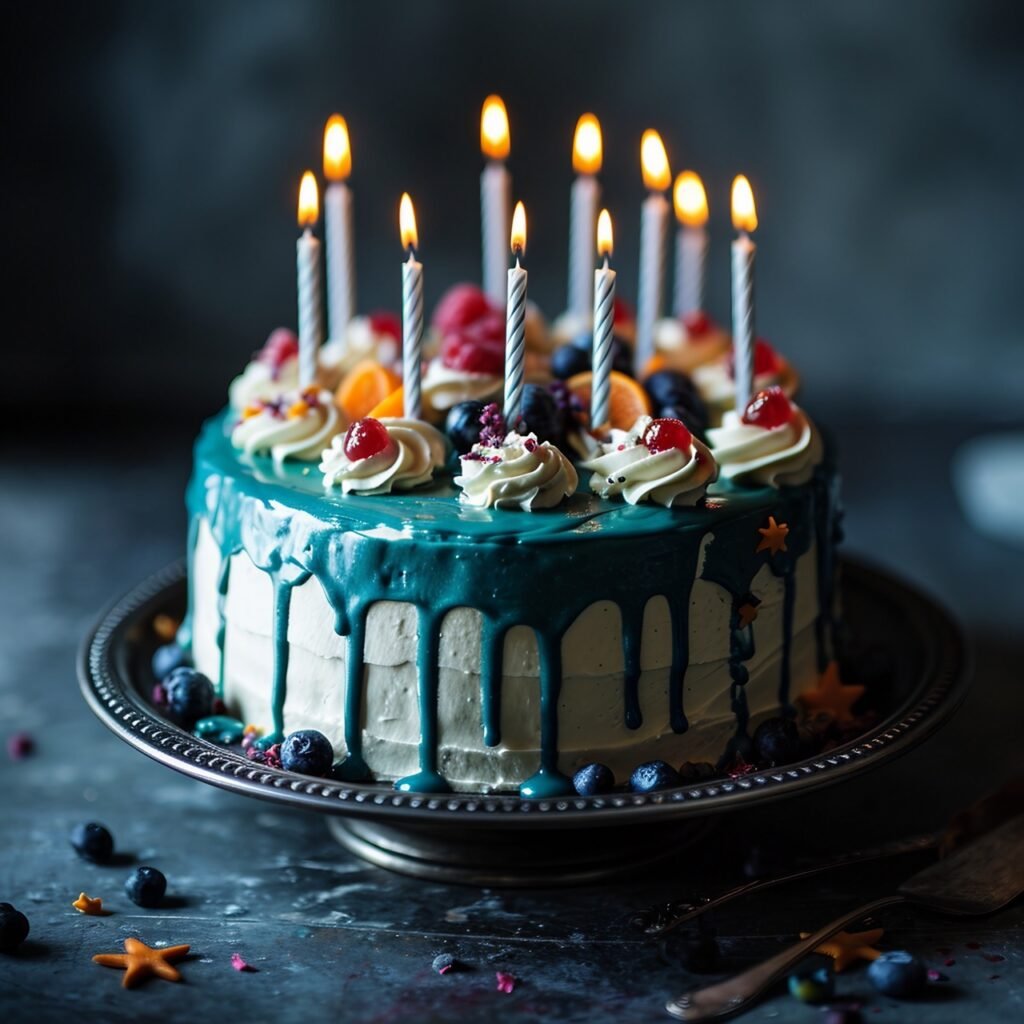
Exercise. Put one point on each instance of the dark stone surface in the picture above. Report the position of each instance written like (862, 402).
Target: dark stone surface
(334, 939)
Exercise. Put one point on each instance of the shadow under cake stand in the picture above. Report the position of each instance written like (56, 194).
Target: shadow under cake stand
(501, 839)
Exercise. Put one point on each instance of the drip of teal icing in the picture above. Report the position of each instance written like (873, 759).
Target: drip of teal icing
(538, 570)
(223, 579)
(788, 604)
(826, 513)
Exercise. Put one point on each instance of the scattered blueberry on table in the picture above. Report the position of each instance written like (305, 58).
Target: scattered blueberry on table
(93, 842)
(898, 974)
(189, 696)
(443, 963)
(308, 752)
(146, 887)
(653, 775)
(167, 658)
(13, 928)
(777, 741)
(593, 779)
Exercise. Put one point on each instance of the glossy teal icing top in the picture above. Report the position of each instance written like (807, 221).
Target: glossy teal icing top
(539, 569)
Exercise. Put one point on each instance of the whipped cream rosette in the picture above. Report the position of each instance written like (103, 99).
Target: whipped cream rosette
(377, 337)
(716, 380)
(657, 460)
(520, 472)
(271, 373)
(295, 426)
(774, 442)
(690, 342)
(380, 456)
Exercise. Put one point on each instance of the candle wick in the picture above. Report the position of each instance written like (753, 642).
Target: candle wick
(606, 261)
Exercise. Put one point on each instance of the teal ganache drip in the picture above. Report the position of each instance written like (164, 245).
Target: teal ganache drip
(788, 603)
(540, 570)
(827, 533)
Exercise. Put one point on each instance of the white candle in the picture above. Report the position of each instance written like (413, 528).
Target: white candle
(691, 206)
(495, 196)
(311, 312)
(604, 324)
(412, 313)
(586, 192)
(515, 325)
(744, 218)
(653, 238)
(338, 231)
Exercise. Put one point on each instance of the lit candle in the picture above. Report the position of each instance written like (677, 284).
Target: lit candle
(412, 312)
(744, 220)
(604, 322)
(586, 162)
(653, 232)
(307, 258)
(691, 205)
(515, 324)
(341, 267)
(495, 193)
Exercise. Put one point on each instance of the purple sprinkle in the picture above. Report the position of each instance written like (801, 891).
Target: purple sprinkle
(948, 963)
(934, 975)
(492, 433)
(20, 746)
(159, 695)
(239, 964)
(993, 958)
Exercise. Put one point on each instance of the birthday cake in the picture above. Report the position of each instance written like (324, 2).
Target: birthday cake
(504, 559)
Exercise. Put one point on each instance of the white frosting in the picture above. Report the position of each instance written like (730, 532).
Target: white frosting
(295, 428)
(782, 455)
(523, 473)
(416, 450)
(684, 352)
(444, 387)
(626, 468)
(718, 388)
(339, 355)
(259, 382)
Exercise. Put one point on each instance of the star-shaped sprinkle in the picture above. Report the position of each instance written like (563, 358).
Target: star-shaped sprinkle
(506, 982)
(848, 948)
(87, 905)
(773, 537)
(831, 695)
(139, 962)
(747, 611)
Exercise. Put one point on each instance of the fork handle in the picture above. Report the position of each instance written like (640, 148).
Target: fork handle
(716, 1002)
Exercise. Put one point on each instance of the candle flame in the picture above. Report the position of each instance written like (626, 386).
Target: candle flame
(586, 145)
(654, 162)
(690, 200)
(604, 234)
(494, 137)
(337, 151)
(309, 201)
(407, 223)
(744, 214)
(519, 229)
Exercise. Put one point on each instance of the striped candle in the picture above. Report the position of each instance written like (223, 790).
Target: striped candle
(604, 323)
(307, 259)
(412, 314)
(515, 325)
(744, 218)
(653, 238)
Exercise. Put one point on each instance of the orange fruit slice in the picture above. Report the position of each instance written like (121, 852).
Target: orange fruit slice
(393, 405)
(364, 387)
(627, 400)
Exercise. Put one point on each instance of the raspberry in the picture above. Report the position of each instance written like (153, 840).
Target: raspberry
(664, 434)
(365, 438)
(281, 346)
(459, 306)
(697, 324)
(384, 322)
(622, 312)
(769, 409)
(478, 347)
(765, 359)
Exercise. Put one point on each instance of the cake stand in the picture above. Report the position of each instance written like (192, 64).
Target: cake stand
(503, 840)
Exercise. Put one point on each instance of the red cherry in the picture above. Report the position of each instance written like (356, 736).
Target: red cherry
(769, 409)
(765, 360)
(279, 347)
(460, 306)
(697, 324)
(478, 347)
(664, 434)
(622, 312)
(366, 437)
(385, 322)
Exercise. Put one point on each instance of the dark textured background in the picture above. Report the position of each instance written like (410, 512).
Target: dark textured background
(152, 153)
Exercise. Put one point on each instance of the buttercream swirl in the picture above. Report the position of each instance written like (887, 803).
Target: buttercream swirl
(717, 386)
(262, 382)
(522, 473)
(444, 387)
(295, 426)
(626, 468)
(415, 451)
(781, 455)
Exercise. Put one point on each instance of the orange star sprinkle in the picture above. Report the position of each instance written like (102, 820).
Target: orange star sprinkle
(87, 905)
(847, 948)
(139, 962)
(747, 612)
(832, 695)
(298, 409)
(773, 537)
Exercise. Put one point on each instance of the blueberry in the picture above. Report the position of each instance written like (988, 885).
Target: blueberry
(146, 887)
(443, 963)
(189, 696)
(568, 360)
(693, 414)
(898, 974)
(541, 414)
(13, 928)
(92, 842)
(652, 775)
(696, 771)
(308, 752)
(777, 741)
(593, 779)
(665, 387)
(463, 425)
(813, 986)
(167, 658)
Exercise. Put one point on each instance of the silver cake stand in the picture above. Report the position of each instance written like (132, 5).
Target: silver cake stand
(502, 839)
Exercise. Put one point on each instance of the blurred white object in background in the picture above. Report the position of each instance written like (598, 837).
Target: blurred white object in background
(988, 474)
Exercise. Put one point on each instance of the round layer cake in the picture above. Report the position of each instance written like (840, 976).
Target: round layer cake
(441, 646)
